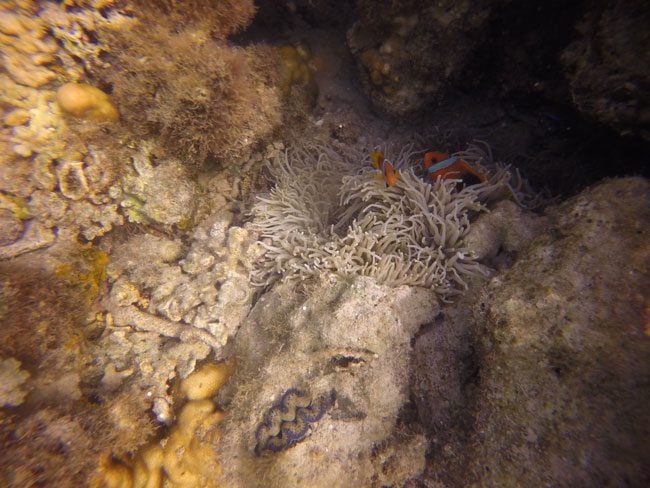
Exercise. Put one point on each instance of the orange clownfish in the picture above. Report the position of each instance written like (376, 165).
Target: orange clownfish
(388, 171)
(452, 167)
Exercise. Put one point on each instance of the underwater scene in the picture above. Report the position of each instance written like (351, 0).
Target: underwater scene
(324, 243)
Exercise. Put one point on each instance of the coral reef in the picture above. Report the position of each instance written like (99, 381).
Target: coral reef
(56, 416)
(608, 66)
(352, 337)
(137, 265)
(186, 456)
(410, 52)
(411, 233)
(61, 169)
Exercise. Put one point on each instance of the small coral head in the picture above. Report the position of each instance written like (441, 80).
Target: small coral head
(85, 101)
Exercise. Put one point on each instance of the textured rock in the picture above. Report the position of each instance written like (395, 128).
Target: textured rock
(506, 228)
(11, 383)
(608, 66)
(171, 306)
(11, 228)
(410, 52)
(349, 337)
(561, 369)
(144, 191)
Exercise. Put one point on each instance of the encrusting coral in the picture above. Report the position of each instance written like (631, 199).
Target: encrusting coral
(58, 165)
(327, 212)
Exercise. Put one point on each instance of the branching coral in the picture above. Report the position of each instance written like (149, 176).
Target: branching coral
(326, 212)
(170, 312)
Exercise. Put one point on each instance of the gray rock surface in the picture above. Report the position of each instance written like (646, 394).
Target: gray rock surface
(559, 393)
(350, 337)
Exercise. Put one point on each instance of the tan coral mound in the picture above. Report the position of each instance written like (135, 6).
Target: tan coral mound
(86, 101)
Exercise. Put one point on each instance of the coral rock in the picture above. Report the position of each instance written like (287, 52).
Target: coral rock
(11, 228)
(186, 457)
(352, 337)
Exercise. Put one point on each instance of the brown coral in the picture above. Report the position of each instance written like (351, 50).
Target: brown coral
(186, 457)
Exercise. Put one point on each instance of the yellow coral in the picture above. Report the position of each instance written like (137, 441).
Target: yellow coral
(186, 457)
(206, 381)
(86, 101)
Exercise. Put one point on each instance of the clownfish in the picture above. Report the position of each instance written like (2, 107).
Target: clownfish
(389, 174)
(453, 167)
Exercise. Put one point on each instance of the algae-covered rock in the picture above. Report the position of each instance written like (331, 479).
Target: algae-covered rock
(608, 66)
(410, 52)
(562, 368)
(146, 186)
(335, 357)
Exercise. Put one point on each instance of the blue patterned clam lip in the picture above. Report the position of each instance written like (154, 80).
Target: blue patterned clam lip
(289, 420)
